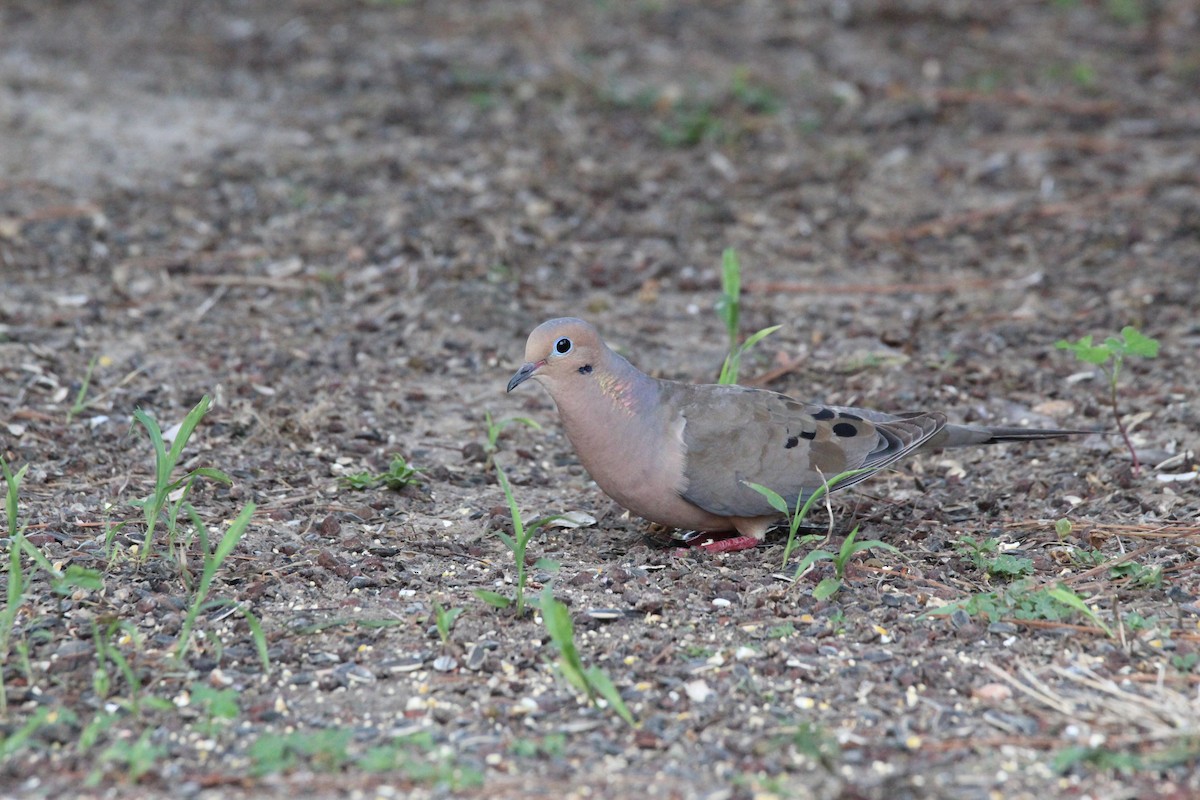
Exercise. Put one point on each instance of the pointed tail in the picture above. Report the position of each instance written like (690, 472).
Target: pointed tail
(964, 435)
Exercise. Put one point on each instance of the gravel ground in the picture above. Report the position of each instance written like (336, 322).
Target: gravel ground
(339, 220)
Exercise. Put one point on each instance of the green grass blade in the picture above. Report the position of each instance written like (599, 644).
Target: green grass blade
(773, 497)
(13, 487)
(1068, 598)
(81, 396)
(493, 599)
(233, 535)
(812, 557)
(12, 744)
(256, 633)
(729, 304)
(186, 427)
(214, 474)
(755, 338)
(605, 688)
(514, 512)
(558, 624)
(162, 468)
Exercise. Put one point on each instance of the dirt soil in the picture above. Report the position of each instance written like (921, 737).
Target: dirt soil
(341, 219)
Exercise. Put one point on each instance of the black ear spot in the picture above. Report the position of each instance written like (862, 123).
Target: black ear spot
(586, 369)
(845, 430)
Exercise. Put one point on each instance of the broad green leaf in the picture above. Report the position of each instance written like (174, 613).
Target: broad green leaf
(83, 578)
(1085, 351)
(1138, 344)
(827, 588)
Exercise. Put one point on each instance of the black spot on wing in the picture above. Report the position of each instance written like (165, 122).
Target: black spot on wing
(810, 435)
(845, 430)
(848, 415)
(824, 413)
(791, 442)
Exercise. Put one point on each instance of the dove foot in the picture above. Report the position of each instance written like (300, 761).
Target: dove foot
(730, 545)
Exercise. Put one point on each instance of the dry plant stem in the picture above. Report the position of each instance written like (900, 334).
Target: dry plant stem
(943, 287)
(1022, 98)
(1112, 400)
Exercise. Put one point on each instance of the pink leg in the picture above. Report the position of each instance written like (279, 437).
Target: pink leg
(730, 545)
(716, 545)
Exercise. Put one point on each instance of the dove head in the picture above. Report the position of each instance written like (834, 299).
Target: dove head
(560, 351)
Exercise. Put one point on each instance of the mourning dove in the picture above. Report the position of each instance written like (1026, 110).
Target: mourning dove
(681, 454)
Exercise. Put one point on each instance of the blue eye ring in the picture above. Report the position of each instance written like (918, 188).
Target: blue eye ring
(563, 346)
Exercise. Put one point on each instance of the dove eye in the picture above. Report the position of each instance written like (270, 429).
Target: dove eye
(562, 346)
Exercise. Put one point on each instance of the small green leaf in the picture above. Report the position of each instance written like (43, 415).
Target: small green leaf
(811, 558)
(776, 501)
(827, 588)
(1138, 344)
(493, 598)
(1086, 352)
(83, 578)
(1062, 527)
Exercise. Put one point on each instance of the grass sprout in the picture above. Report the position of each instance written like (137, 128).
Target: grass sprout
(169, 497)
(985, 556)
(495, 428)
(1131, 342)
(517, 543)
(398, 475)
(80, 403)
(15, 594)
(828, 587)
(797, 513)
(592, 681)
(444, 619)
(213, 559)
(1023, 600)
(729, 310)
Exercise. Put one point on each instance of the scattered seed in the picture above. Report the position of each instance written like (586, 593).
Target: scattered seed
(605, 613)
(477, 657)
(697, 690)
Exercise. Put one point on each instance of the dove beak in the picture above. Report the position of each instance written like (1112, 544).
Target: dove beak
(524, 373)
